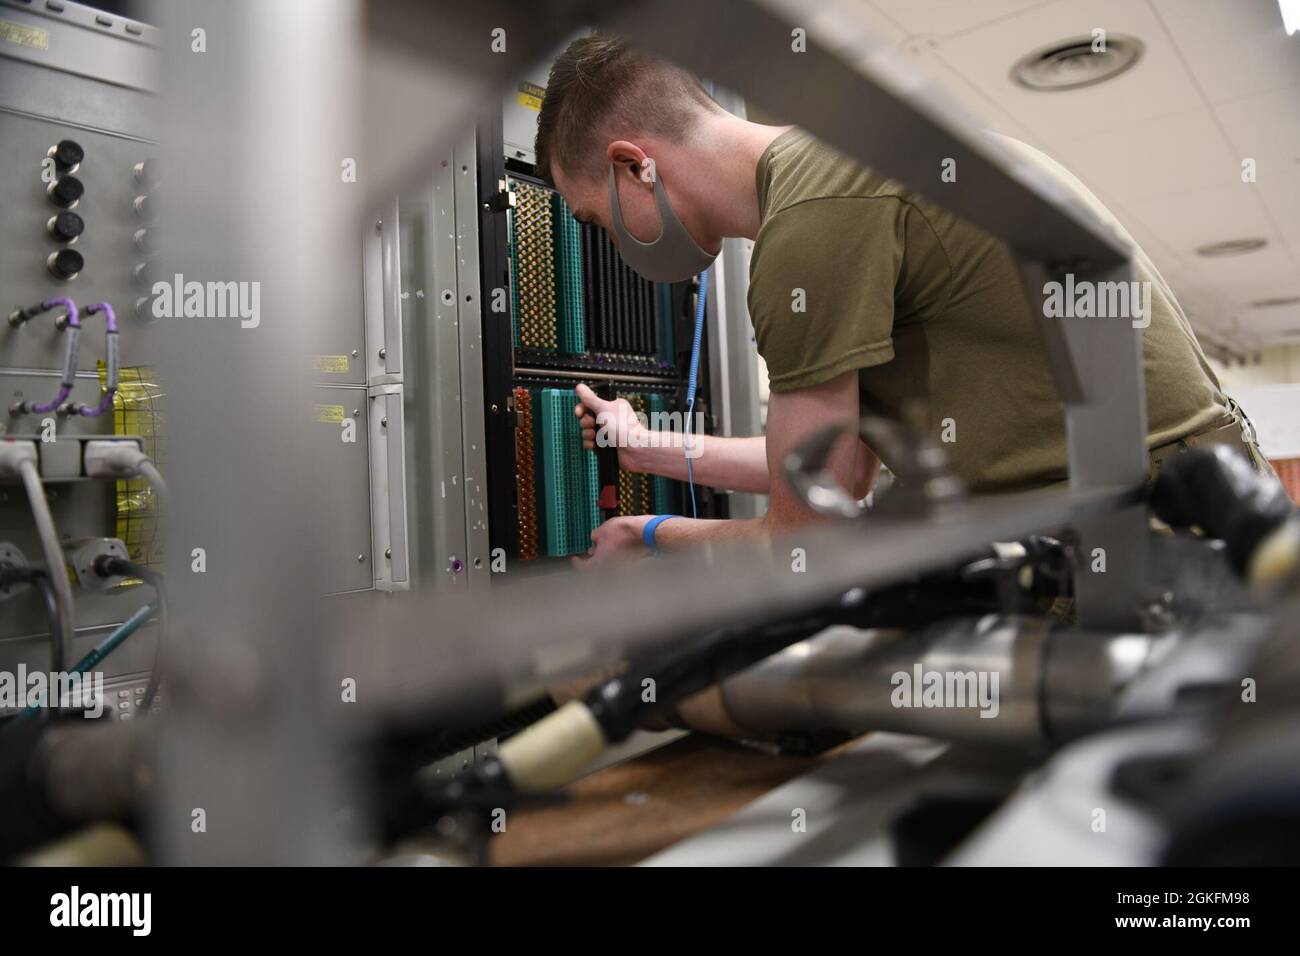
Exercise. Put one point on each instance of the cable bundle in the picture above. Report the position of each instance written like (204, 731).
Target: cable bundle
(532, 254)
(526, 477)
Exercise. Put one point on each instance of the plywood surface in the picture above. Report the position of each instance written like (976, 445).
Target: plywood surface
(623, 814)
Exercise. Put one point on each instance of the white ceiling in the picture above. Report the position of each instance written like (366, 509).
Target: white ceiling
(1162, 145)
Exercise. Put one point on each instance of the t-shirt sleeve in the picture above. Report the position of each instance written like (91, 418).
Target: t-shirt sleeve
(821, 293)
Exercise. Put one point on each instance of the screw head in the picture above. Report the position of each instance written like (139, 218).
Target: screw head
(361, 558)
(383, 353)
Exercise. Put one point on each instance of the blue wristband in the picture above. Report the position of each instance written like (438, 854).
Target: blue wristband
(648, 532)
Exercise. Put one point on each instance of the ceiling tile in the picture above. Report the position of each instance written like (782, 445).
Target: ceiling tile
(1282, 195)
(1164, 157)
(1203, 216)
(1263, 273)
(1272, 323)
(1265, 128)
(1157, 86)
(946, 17)
(1234, 48)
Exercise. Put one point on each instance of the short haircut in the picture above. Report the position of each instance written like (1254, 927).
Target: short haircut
(601, 89)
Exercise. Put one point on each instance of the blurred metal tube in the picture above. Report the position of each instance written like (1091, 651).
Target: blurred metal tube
(1005, 679)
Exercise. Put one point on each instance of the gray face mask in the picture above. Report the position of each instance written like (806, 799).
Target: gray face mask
(673, 256)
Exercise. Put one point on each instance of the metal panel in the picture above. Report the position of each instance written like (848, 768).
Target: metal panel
(135, 656)
(519, 120)
(498, 345)
(388, 488)
(383, 297)
(345, 562)
(435, 467)
(339, 314)
(75, 87)
(80, 508)
(31, 90)
(106, 244)
(470, 326)
(79, 39)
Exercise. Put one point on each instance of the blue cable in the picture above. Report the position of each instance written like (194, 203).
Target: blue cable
(104, 647)
(691, 378)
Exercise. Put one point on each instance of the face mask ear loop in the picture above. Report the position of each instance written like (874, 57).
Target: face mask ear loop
(616, 212)
(673, 256)
(669, 221)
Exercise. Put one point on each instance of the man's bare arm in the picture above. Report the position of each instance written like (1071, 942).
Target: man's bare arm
(791, 418)
(731, 464)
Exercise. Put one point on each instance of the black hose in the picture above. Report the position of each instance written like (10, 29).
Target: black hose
(110, 566)
(40, 580)
(1215, 489)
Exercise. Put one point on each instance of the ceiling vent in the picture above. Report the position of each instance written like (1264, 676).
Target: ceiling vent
(1071, 64)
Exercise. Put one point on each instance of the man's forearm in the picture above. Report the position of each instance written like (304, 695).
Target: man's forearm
(681, 534)
(731, 464)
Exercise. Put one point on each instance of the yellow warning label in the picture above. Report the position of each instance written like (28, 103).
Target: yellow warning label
(329, 363)
(530, 95)
(24, 35)
(332, 414)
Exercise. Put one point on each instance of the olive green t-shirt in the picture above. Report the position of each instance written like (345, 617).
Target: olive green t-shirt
(852, 272)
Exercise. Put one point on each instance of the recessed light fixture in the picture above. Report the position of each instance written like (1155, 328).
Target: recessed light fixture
(1231, 247)
(1071, 64)
(1275, 302)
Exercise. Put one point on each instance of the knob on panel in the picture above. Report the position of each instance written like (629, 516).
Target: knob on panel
(145, 274)
(65, 191)
(65, 264)
(146, 173)
(146, 240)
(67, 154)
(66, 226)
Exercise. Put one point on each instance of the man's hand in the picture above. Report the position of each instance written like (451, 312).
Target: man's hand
(616, 539)
(613, 423)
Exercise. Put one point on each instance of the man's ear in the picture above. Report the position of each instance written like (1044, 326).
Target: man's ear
(623, 153)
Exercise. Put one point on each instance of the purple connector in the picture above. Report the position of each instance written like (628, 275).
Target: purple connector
(110, 348)
(73, 321)
(69, 357)
(110, 318)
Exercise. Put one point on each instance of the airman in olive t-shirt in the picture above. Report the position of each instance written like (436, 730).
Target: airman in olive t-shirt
(931, 309)
(865, 298)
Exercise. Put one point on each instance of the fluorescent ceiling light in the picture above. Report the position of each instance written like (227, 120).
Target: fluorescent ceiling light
(1290, 15)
